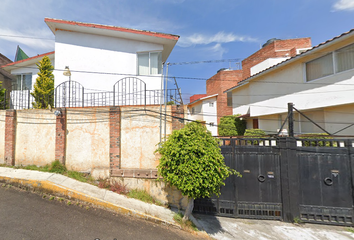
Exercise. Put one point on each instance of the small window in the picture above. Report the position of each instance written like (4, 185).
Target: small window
(345, 58)
(23, 82)
(229, 99)
(149, 63)
(211, 104)
(320, 67)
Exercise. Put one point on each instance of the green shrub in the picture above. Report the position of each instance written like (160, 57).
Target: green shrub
(309, 143)
(254, 133)
(231, 126)
(57, 167)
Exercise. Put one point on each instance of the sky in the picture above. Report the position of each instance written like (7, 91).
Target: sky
(209, 30)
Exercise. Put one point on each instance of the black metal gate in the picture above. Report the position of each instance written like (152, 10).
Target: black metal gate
(258, 193)
(286, 178)
(325, 181)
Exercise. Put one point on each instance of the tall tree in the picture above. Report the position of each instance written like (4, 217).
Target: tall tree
(44, 87)
(191, 161)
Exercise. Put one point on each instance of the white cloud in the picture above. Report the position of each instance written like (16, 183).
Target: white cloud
(220, 37)
(40, 41)
(217, 50)
(344, 5)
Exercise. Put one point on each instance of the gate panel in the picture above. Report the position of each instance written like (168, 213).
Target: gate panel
(258, 191)
(325, 185)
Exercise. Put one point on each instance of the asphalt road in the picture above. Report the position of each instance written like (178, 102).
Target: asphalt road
(25, 215)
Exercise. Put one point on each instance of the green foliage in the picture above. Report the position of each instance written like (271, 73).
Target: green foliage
(3, 104)
(57, 167)
(316, 143)
(188, 225)
(142, 196)
(254, 133)
(44, 87)
(170, 103)
(192, 162)
(231, 126)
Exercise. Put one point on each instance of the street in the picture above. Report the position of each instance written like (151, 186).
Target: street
(25, 215)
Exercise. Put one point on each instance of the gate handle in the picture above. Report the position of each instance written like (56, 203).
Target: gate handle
(261, 178)
(328, 181)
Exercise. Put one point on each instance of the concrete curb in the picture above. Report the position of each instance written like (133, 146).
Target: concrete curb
(58, 190)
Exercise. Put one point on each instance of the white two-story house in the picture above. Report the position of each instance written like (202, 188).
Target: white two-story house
(98, 65)
(319, 82)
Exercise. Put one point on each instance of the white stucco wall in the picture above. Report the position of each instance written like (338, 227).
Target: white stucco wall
(266, 64)
(35, 137)
(90, 57)
(210, 115)
(87, 141)
(140, 134)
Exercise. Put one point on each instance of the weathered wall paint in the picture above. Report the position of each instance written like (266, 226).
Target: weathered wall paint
(87, 142)
(35, 137)
(140, 134)
(2, 136)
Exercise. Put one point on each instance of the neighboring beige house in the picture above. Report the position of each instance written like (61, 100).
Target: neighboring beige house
(319, 82)
(204, 109)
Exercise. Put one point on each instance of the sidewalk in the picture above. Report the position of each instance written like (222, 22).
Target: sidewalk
(216, 227)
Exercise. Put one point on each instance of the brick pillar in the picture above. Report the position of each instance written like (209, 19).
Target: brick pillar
(177, 112)
(114, 134)
(60, 136)
(10, 137)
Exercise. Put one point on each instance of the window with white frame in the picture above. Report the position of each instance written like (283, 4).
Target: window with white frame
(344, 58)
(320, 67)
(23, 82)
(329, 64)
(149, 63)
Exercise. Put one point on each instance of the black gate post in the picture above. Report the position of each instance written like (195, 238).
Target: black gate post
(349, 144)
(289, 171)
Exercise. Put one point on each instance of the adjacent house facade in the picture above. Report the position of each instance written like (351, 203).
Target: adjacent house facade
(319, 82)
(207, 106)
(272, 52)
(97, 57)
(5, 77)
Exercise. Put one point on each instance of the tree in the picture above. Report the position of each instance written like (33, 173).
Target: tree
(191, 161)
(44, 87)
(232, 126)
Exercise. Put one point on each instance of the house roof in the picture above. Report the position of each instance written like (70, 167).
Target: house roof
(203, 98)
(167, 40)
(26, 62)
(4, 60)
(292, 59)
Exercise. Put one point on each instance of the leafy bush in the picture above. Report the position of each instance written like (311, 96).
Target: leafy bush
(254, 133)
(231, 126)
(309, 143)
(191, 161)
(57, 167)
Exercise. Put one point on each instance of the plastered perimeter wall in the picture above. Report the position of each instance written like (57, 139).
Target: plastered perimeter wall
(140, 134)
(2, 136)
(87, 141)
(35, 137)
